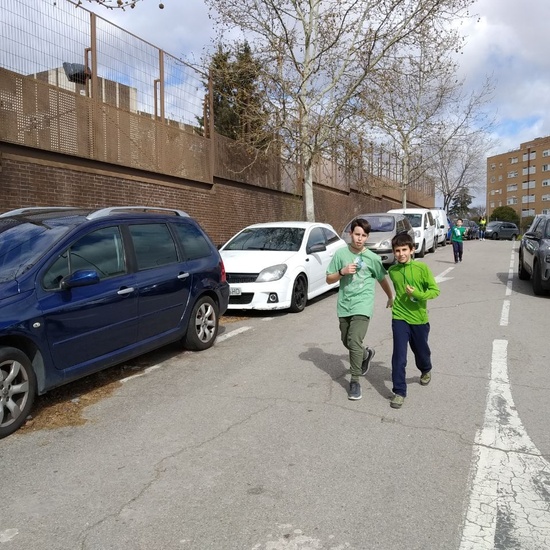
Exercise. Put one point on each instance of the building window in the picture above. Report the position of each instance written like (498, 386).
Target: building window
(527, 199)
(527, 212)
(545, 211)
(528, 184)
(531, 170)
(511, 200)
(546, 167)
(514, 160)
(500, 178)
(527, 157)
(546, 197)
(545, 183)
(546, 153)
(512, 187)
(513, 174)
(493, 179)
(492, 204)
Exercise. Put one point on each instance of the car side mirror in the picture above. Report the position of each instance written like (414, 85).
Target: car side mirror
(81, 277)
(315, 248)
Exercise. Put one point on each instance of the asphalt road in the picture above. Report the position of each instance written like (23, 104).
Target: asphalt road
(253, 444)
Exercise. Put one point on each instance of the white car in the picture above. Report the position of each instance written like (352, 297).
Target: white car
(279, 265)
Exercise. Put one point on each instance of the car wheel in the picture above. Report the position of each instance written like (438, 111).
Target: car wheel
(495, 236)
(17, 389)
(523, 274)
(432, 249)
(422, 252)
(299, 295)
(537, 280)
(203, 325)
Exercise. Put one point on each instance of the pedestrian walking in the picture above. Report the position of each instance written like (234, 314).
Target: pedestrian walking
(357, 269)
(482, 227)
(457, 240)
(414, 284)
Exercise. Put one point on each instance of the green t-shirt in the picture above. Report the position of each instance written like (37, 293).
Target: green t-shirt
(356, 292)
(418, 275)
(457, 233)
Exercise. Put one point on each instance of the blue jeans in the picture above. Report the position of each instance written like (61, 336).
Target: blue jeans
(458, 248)
(417, 337)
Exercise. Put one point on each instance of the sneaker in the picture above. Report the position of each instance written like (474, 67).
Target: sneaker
(425, 378)
(354, 391)
(397, 401)
(367, 358)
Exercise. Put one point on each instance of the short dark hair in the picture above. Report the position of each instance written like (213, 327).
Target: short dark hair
(362, 223)
(402, 239)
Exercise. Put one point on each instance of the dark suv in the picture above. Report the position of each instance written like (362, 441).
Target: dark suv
(82, 290)
(534, 254)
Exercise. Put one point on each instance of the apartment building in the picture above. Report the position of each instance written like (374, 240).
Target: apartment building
(521, 179)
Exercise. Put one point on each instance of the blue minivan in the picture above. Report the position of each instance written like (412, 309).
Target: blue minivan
(82, 290)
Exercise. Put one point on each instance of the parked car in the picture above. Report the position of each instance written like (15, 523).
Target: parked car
(534, 255)
(423, 225)
(82, 290)
(472, 230)
(442, 225)
(501, 230)
(384, 226)
(279, 265)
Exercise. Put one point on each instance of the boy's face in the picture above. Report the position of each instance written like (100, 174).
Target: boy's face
(358, 238)
(403, 253)
(459, 223)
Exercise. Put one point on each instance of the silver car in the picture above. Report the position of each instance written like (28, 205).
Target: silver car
(501, 230)
(384, 226)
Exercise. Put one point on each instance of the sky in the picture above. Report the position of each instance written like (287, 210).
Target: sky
(506, 42)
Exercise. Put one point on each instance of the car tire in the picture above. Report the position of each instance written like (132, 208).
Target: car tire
(536, 279)
(17, 389)
(203, 325)
(422, 252)
(432, 249)
(495, 237)
(523, 274)
(299, 295)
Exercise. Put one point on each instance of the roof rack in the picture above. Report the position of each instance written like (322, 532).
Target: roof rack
(108, 211)
(35, 209)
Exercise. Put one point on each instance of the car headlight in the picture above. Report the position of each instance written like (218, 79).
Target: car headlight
(273, 273)
(385, 244)
(417, 233)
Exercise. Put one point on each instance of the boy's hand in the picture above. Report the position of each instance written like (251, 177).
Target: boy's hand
(409, 290)
(389, 303)
(349, 269)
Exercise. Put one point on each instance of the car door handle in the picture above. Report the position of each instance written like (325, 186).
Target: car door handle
(183, 275)
(125, 290)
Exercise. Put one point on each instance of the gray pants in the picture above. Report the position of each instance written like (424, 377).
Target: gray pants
(353, 331)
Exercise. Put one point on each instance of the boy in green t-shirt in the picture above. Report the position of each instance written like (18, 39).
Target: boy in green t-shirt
(414, 284)
(357, 269)
(457, 240)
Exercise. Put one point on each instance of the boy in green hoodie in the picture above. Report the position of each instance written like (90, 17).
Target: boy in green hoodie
(414, 284)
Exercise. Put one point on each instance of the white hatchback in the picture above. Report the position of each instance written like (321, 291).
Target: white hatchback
(279, 265)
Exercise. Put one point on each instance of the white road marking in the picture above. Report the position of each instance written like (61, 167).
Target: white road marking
(8, 535)
(143, 373)
(441, 277)
(505, 313)
(510, 497)
(232, 333)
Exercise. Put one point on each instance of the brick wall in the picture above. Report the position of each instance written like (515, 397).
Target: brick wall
(29, 177)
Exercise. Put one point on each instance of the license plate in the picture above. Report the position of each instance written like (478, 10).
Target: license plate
(234, 291)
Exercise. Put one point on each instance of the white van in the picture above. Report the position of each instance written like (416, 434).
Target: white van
(441, 225)
(424, 229)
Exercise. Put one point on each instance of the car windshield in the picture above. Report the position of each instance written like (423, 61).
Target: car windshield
(378, 224)
(267, 238)
(22, 245)
(415, 219)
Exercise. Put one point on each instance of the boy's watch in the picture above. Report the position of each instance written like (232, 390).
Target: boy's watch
(340, 272)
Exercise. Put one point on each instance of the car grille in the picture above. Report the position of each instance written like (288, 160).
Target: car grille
(245, 298)
(241, 277)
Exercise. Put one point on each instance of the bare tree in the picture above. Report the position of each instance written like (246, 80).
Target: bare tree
(116, 4)
(316, 55)
(417, 104)
(459, 166)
